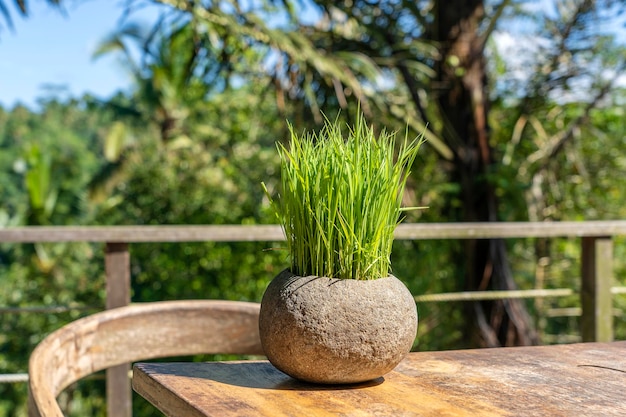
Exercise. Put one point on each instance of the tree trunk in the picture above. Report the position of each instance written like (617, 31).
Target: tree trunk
(463, 102)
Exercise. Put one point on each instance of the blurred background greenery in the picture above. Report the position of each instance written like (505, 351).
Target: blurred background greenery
(534, 133)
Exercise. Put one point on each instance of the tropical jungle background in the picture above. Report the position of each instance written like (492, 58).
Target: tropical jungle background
(522, 102)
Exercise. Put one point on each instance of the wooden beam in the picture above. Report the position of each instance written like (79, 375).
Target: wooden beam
(273, 233)
(596, 297)
(117, 267)
(130, 234)
(493, 295)
(489, 230)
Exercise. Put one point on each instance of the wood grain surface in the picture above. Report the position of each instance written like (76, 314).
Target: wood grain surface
(132, 333)
(565, 380)
(270, 233)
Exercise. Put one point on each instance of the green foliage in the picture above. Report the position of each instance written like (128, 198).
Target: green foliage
(22, 8)
(341, 199)
(576, 184)
(194, 188)
(46, 162)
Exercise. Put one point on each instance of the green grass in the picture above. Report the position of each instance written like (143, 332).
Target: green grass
(340, 199)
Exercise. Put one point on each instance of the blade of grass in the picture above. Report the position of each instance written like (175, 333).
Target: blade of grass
(341, 197)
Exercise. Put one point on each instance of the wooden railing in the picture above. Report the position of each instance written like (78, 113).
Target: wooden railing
(597, 280)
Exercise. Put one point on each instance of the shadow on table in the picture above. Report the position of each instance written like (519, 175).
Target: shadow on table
(253, 374)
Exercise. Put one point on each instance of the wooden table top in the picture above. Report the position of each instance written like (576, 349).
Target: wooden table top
(586, 379)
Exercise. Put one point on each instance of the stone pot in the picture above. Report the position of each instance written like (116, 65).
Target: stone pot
(336, 331)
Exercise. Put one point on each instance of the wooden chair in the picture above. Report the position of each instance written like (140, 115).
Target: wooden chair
(137, 332)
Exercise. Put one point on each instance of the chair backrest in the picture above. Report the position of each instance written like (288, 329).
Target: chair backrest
(137, 332)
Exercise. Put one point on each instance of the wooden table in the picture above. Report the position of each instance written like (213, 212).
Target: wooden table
(587, 379)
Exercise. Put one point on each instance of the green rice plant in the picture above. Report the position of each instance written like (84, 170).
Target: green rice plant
(340, 199)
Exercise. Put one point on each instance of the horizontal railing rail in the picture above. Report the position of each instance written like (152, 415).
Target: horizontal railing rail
(597, 281)
(272, 233)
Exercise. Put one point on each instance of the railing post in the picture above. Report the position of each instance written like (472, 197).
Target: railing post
(597, 280)
(117, 268)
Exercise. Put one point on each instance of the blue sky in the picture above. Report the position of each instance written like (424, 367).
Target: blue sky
(48, 48)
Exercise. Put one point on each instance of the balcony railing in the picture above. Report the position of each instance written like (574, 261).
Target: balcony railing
(596, 237)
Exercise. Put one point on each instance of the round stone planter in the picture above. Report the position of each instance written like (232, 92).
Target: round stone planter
(336, 331)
